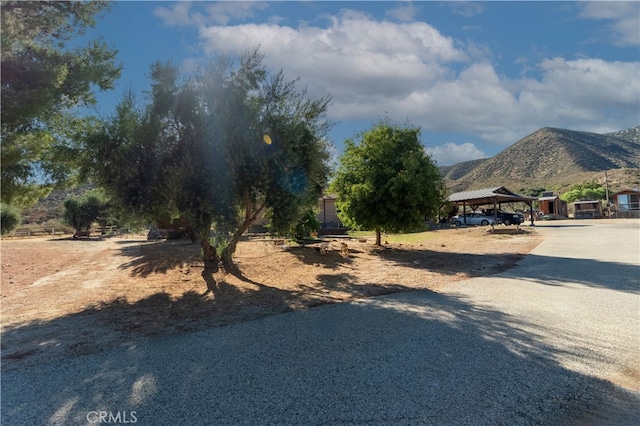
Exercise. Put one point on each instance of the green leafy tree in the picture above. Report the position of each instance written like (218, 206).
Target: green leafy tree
(82, 212)
(217, 149)
(386, 181)
(535, 191)
(305, 226)
(43, 80)
(584, 191)
(10, 218)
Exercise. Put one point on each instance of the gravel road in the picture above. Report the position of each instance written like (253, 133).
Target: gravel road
(554, 341)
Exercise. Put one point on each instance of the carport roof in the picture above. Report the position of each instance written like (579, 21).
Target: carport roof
(498, 194)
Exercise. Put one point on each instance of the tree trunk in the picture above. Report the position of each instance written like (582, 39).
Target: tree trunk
(209, 253)
(378, 237)
(249, 217)
(229, 250)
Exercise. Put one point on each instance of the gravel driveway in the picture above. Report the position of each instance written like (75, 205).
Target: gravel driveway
(553, 341)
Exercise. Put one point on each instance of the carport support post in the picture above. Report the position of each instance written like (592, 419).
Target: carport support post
(495, 211)
(530, 204)
(464, 212)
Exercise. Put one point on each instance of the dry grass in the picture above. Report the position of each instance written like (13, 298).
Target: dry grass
(64, 297)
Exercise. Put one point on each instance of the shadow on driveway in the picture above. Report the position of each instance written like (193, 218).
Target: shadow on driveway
(415, 358)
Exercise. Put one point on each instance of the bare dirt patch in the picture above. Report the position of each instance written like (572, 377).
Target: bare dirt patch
(62, 297)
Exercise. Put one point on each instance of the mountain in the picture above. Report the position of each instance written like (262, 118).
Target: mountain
(632, 134)
(52, 206)
(458, 170)
(551, 158)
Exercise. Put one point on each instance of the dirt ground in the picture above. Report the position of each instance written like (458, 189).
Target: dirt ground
(64, 297)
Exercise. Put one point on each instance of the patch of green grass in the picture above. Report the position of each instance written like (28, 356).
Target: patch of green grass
(361, 234)
(415, 237)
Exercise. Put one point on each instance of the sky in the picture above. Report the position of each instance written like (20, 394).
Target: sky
(476, 77)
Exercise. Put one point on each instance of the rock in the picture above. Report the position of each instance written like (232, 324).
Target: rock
(156, 234)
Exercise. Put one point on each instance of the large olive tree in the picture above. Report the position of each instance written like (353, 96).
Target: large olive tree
(217, 149)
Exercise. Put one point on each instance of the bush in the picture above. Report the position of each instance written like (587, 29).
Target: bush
(80, 213)
(57, 225)
(10, 218)
(308, 223)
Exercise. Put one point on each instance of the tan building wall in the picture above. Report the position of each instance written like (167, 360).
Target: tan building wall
(587, 209)
(327, 215)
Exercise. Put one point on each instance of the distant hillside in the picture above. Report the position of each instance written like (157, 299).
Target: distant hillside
(632, 134)
(460, 169)
(550, 158)
(51, 207)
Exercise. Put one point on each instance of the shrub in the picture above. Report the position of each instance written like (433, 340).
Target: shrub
(308, 223)
(80, 213)
(57, 225)
(10, 218)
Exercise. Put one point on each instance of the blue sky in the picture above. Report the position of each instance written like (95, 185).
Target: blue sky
(474, 76)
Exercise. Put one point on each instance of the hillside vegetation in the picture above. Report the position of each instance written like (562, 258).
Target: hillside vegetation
(555, 159)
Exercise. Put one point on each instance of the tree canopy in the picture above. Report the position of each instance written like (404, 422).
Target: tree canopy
(10, 218)
(386, 181)
(221, 147)
(81, 212)
(584, 191)
(43, 79)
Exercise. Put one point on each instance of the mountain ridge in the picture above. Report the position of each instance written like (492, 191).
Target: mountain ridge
(551, 158)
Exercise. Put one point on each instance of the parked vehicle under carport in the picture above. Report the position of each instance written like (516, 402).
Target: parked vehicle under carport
(472, 219)
(505, 217)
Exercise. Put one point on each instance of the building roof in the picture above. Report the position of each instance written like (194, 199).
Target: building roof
(498, 194)
(555, 197)
(586, 201)
(632, 191)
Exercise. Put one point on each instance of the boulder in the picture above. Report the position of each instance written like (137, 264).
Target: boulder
(156, 233)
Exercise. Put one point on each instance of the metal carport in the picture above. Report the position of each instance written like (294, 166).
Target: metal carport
(494, 196)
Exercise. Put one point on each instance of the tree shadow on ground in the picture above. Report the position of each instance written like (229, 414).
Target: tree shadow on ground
(351, 285)
(450, 263)
(416, 358)
(557, 271)
(158, 256)
(311, 255)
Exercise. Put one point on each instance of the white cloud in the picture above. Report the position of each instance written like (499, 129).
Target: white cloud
(624, 19)
(412, 72)
(452, 153)
(178, 15)
(190, 65)
(403, 13)
(466, 8)
(588, 92)
(352, 55)
(218, 13)
(592, 82)
(225, 11)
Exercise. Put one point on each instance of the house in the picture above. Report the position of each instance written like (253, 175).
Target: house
(327, 216)
(627, 203)
(588, 209)
(551, 205)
